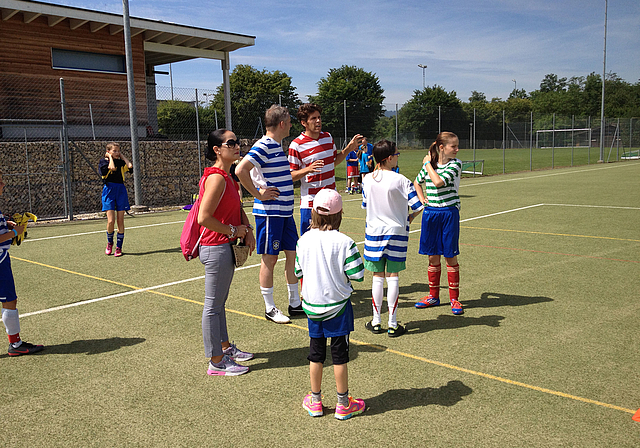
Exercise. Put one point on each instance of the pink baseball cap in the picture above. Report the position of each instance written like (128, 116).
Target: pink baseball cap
(329, 200)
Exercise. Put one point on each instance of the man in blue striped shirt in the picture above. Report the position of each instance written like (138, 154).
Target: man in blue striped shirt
(265, 174)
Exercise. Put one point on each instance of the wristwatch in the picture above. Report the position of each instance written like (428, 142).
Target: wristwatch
(233, 230)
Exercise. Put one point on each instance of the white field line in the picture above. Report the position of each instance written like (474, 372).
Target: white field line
(96, 231)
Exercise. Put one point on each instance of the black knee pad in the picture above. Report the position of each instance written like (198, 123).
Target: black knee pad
(340, 350)
(318, 350)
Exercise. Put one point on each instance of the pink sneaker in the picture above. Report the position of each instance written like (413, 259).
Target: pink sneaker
(109, 249)
(355, 407)
(118, 252)
(313, 408)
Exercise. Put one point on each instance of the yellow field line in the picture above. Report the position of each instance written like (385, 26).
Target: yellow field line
(549, 233)
(395, 352)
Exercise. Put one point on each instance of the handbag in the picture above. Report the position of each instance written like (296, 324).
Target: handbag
(240, 252)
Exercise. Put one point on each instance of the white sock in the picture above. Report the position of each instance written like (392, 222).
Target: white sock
(377, 294)
(11, 321)
(267, 295)
(392, 300)
(294, 297)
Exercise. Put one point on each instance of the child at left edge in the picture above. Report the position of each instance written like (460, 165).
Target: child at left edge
(114, 194)
(8, 296)
(328, 260)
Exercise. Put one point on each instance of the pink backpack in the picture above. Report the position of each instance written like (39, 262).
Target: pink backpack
(192, 232)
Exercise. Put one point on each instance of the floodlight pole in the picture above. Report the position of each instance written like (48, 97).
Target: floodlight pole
(515, 86)
(604, 72)
(423, 67)
(133, 118)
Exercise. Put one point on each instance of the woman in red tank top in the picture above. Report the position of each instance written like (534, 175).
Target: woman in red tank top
(222, 214)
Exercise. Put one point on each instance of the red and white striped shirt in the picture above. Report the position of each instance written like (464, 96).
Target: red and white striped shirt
(303, 151)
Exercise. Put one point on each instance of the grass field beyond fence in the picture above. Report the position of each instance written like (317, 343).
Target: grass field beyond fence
(545, 354)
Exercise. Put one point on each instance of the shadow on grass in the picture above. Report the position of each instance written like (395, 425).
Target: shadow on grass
(297, 357)
(401, 399)
(492, 299)
(87, 346)
(449, 322)
(160, 251)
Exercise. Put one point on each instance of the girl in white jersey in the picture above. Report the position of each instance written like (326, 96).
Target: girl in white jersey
(441, 218)
(388, 197)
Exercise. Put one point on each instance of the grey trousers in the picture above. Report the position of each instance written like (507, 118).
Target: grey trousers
(218, 273)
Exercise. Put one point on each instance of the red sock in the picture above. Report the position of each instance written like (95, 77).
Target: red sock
(13, 338)
(434, 280)
(453, 273)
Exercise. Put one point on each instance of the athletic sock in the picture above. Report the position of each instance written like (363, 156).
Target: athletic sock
(267, 295)
(120, 239)
(11, 321)
(393, 291)
(434, 280)
(294, 297)
(453, 274)
(110, 237)
(343, 399)
(316, 397)
(377, 293)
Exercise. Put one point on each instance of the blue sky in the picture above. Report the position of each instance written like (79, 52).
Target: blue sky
(467, 45)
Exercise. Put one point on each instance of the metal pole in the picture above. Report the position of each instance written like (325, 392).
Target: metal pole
(572, 143)
(171, 80)
(133, 117)
(504, 143)
(531, 145)
(93, 129)
(604, 72)
(345, 122)
(590, 137)
(440, 119)
(215, 112)
(198, 134)
(227, 90)
(61, 168)
(26, 157)
(618, 141)
(65, 160)
(397, 124)
(474, 135)
(553, 138)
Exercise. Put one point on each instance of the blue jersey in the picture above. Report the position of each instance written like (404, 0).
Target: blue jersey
(267, 155)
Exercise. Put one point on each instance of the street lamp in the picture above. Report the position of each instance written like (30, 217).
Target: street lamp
(515, 85)
(206, 98)
(423, 67)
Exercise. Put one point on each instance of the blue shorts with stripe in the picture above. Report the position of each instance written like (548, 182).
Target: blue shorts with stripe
(275, 233)
(440, 231)
(305, 220)
(340, 325)
(7, 285)
(114, 197)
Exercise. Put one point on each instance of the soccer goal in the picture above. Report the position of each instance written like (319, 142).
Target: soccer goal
(563, 138)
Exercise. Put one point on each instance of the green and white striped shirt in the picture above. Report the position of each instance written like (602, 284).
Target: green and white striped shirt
(328, 260)
(447, 195)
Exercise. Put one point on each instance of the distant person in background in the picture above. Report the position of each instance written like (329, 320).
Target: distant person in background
(264, 173)
(8, 296)
(441, 217)
(365, 158)
(312, 159)
(222, 214)
(115, 200)
(353, 173)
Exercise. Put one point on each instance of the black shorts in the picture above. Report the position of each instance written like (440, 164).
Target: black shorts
(339, 350)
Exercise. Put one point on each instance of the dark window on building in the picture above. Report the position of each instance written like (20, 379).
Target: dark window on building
(82, 60)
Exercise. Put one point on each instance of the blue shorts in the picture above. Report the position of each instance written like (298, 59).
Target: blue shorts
(340, 325)
(275, 233)
(7, 286)
(305, 220)
(114, 197)
(440, 231)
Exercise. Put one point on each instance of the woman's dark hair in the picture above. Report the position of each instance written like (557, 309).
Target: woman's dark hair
(215, 139)
(383, 150)
(442, 139)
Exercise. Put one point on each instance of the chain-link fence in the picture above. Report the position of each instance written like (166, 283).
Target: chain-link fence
(53, 133)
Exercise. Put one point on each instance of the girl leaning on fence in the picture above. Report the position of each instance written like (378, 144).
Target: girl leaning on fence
(440, 231)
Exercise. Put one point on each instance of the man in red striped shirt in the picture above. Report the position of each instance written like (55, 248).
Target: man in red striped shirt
(312, 159)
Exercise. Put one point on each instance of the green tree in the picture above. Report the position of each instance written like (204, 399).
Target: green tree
(363, 94)
(253, 91)
(177, 119)
(420, 114)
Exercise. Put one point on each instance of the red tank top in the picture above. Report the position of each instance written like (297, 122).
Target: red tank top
(228, 210)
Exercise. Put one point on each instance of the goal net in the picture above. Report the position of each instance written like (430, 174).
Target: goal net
(563, 138)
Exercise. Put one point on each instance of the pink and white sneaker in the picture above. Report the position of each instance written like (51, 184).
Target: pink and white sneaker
(313, 408)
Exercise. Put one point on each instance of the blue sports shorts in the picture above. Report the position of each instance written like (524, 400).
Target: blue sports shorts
(114, 197)
(440, 231)
(338, 326)
(7, 286)
(305, 220)
(274, 234)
